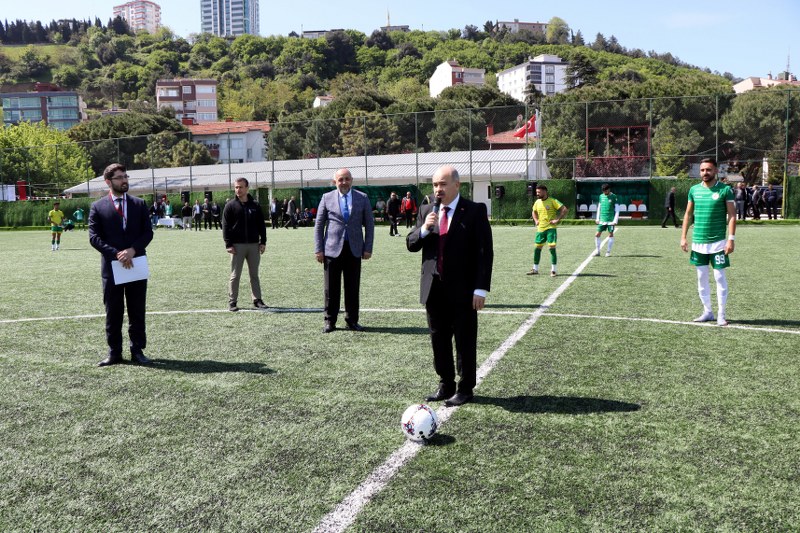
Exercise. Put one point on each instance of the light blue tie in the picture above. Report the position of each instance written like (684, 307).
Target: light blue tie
(346, 212)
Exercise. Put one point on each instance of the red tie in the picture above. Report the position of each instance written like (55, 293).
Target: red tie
(442, 236)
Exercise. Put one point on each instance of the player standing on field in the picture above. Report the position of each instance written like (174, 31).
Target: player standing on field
(56, 217)
(547, 213)
(712, 204)
(607, 218)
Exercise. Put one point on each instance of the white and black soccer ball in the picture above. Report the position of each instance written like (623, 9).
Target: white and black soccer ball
(419, 422)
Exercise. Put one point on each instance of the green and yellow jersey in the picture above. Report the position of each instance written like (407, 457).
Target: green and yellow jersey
(546, 211)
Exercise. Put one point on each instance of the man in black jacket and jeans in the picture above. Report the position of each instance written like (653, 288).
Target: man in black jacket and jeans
(245, 234)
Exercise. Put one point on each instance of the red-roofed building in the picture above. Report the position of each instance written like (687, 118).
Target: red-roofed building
(235, 142)
(503, 140)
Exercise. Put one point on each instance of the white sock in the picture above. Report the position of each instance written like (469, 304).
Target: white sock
(703, 288)
(610, 244)
(722, 291)
(597, 243)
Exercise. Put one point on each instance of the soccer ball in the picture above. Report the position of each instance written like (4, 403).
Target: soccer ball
(419, 422)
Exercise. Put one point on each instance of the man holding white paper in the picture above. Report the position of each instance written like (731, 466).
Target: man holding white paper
(120, 229)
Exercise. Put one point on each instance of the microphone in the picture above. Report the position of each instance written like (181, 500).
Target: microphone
(437, 204)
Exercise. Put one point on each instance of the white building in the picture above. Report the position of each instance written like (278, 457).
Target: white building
(194, 101)
(233, 142)
(748, 84)
(140, 15)
(546, 72)
(450, 73)
(229, 18)
(322, 101)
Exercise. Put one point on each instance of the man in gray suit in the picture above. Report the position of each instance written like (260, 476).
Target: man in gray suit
(343, 235)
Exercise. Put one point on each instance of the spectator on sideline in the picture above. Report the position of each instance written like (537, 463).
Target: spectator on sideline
(274, 210)
(380, 209)
(755, 200)
(740, 197)
(712, 204)
(457, 256)
(186, 215)
(291, 214)
(120, 229)
(245, 234)
(607, 218)
(771, 200)
(393, 212)
(197, 214)
(215, 215)
(669, 208)
(56, 217)
(154, 212)
(547, 213)
(343, 236)
(409, 209)
(206, 210)
(167, 209)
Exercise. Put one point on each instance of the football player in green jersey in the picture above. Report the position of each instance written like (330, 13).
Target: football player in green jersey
(712, 204)
(607, 218)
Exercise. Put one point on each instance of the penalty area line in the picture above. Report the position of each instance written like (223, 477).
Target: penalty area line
(344, 514)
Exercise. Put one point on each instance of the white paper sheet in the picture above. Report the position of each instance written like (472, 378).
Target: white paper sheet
(140, 271)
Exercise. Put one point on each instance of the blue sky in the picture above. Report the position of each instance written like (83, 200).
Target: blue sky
(745, 38)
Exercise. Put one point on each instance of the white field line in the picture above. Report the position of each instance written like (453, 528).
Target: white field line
(344, 514)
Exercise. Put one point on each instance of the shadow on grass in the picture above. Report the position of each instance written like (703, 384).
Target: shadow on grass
(638, 255)
(439, 439)
(511, 306)
(589, 275)
(397, 331)
(292, 310)
(209, 367)
(768, 322)
(567, 405)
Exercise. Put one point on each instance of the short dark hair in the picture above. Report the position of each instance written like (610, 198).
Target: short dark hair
(112, 169)
(709, 160)
(606, 187)
(542, 187)
(240, 180)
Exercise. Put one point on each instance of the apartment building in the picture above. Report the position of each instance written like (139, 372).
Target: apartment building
(193, 100)
(229, 18)
(233, 142)
(546, 72)
(515, 26)
(140, 15)
(450, 73)
(47, 103)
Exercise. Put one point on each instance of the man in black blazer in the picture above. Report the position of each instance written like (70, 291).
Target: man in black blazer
(120, 229)
(456, 242)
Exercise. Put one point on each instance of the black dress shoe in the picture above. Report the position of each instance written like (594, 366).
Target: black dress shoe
(459, 398)
(328, 327)
(140, 358)
(355, 326)
(442, 393)
(259, 304)
(110, 360)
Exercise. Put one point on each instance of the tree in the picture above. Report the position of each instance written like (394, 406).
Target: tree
(31, 64)
(599, 43)
(577, 39)
(42, 155)
(673, 142)
(557, 31)
(580, 71)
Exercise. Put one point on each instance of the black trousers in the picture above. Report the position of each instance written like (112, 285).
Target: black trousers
(115, 297)
(772, 209)
(447, 322)
(670, 212)
(393, 225)
(346, 266)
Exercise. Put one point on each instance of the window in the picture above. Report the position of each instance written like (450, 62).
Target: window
(249, 153)
(167, 91)
(235, 144)
(191, 104)
(62, 101)
(549, 69)
(56, 114)
(206, 89)
(207, 103)
(207, 116)
(550, 89)
(187, 89)
(549, 78)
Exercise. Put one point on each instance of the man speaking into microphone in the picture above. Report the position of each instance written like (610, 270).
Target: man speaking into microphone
(456, 242)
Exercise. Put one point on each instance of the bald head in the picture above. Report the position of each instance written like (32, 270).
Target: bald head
(446, 184)
(343, 180)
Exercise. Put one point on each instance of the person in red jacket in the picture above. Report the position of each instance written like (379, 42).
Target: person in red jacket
(409, 209)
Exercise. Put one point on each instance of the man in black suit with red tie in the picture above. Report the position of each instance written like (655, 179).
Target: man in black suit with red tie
(456, 242)
(120, 229)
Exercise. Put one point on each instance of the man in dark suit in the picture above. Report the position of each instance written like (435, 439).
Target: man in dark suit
(120, 229)
(669, 208)
(343, 235)
(456, 242)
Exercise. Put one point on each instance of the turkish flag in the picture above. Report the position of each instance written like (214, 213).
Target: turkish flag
(528, 128)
